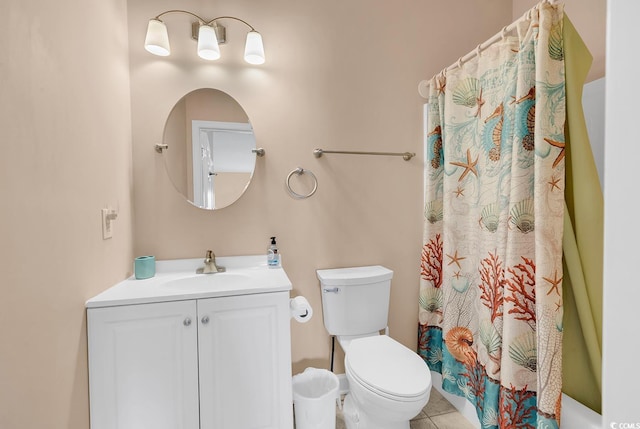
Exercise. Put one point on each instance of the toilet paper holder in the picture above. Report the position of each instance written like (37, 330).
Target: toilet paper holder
(300, 309)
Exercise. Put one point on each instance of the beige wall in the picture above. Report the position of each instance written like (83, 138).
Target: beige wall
(65, 153)
(339, 75)
(590, 19)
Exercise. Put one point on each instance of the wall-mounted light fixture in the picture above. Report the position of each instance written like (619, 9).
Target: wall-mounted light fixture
(209, 34)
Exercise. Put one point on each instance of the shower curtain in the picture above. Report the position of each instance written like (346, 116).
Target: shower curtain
(491, 273)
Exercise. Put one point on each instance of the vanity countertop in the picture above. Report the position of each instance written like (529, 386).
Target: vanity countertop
(177, 280)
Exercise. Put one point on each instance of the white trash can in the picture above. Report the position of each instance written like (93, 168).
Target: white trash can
(315, 396)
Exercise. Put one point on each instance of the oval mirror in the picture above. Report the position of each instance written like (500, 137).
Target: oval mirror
(210, 144)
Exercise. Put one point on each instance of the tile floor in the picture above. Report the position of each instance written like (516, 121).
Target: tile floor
(437, 414)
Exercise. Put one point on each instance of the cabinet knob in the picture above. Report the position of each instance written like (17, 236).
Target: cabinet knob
(187, 321)
(205, 320)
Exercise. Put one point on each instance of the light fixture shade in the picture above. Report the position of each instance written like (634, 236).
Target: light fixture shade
(157, 39)
(253, 49)
(208, 48)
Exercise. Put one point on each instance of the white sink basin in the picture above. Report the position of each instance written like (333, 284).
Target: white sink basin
(177, 280)
(205, 282)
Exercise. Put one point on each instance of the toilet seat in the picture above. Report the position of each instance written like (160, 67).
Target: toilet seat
(387, 368)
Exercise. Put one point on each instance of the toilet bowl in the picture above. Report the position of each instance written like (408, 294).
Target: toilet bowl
(388, 384)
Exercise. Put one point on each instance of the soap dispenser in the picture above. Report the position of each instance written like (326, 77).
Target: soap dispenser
(273, 257)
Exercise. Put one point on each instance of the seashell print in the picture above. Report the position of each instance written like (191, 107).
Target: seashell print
(424, 317)
(556, 45)
(431, 299)
(459, 342)
(489, 217)
(522, 216)
(489, 337)
(523, 351)
(433, 211)
(467, 92)
(460, 283)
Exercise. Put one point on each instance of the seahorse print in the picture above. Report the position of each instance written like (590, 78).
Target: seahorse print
(434, 144)
(492, 134)
(526, 119)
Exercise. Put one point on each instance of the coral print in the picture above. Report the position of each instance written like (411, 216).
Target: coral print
(490, 306)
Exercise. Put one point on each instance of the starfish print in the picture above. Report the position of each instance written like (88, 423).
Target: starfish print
(558, 305)
(457, 275)
(459, 192)
(442, 84)
(456, 259)
(480, 102)
(468, 167)
(555, 283)
(554, 183)
(557, 144)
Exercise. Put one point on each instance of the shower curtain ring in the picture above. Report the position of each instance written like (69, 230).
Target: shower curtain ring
(459, 63)
(478, 50)
(503, 33)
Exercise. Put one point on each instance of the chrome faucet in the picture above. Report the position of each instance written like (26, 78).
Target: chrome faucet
(210, 266)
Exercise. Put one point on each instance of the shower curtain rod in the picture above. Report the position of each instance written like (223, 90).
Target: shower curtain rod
(423, 86)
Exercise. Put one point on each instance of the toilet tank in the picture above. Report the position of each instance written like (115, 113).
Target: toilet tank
(355, 301)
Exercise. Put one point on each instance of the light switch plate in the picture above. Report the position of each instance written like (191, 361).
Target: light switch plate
(107, 228)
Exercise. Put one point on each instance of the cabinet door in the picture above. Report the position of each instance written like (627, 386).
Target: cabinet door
(143, 366)
(245, 362)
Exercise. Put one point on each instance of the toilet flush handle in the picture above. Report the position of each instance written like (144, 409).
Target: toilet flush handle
(331, 290)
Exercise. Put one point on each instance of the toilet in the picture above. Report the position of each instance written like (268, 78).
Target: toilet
(389, 384)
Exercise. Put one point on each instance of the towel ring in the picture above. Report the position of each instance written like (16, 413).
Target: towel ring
(300, 171)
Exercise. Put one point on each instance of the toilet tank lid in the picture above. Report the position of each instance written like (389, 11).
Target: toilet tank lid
(354, 275)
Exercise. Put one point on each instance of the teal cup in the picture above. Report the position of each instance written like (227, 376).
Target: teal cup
(144, 267)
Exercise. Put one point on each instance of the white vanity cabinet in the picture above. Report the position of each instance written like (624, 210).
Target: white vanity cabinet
(143, 366)
(211, 362)
(245, 365)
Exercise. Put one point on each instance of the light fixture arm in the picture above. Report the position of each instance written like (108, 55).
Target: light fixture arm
(202, 20)
(166, 12)
(231, 17)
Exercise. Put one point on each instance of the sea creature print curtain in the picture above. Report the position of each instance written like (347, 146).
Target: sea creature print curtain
(491, 273)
